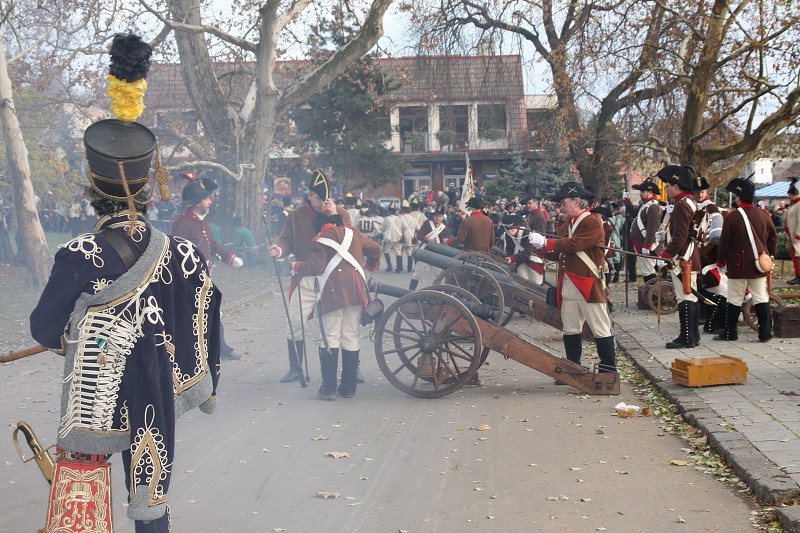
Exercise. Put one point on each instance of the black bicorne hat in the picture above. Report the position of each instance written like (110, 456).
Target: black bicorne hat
(198, 190)
(700, 183)
(647, 185)
(319, 185)
(743, 188)
(572, 189)
(350, 200)
(440, 210)
(681, 175)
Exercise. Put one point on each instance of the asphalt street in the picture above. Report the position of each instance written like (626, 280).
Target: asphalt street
(517, 453)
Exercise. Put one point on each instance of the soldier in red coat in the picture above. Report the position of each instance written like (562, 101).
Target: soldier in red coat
(736, 257)
(581, 285)
(296, 238)
(337, 254)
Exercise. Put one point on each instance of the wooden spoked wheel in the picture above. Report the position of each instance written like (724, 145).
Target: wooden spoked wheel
(458, 292)
(479, 282)
(749, 314)
(667, 300)
(428, 344)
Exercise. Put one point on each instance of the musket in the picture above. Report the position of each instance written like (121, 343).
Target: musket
(24, 353)
(43, 459)
(303, 382)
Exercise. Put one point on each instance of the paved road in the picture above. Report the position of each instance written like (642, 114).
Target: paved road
(552, 459)
(755, 425)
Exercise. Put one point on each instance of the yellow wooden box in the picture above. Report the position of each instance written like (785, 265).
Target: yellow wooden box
(704, 371)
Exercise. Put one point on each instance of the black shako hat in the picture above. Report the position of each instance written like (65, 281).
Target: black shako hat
(118, 153)
(681, 175)
(571, 189)
(319, 185)
(743, 188)
(198, 190)
(648, 185)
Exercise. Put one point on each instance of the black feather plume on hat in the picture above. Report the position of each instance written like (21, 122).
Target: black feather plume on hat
(793, 186)
(130, 57)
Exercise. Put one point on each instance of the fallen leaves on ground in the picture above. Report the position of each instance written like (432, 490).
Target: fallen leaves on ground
(338, 455)
(325, 495)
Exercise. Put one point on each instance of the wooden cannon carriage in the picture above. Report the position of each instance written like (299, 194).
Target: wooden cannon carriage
(431, 342)
(492, 283)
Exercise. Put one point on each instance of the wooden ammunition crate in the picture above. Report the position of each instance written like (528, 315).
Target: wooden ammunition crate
(786, 321)
(704, 371)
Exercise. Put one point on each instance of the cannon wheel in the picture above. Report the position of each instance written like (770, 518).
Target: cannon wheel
(418, 351)
(749, 313)
(479, 282)
(483, 260)
(669, 303)
(452, 290)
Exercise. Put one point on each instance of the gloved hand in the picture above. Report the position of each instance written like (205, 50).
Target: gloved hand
(536, 239)
(723, 270)
(645, 251)
(625, 195)
(670, 207)
(237, 262)
(660, 236)
(661, 263)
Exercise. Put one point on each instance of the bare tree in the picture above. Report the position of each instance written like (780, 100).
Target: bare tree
(37, 257)
(243, 132)
(598, 52)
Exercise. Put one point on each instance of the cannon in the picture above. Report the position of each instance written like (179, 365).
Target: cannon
(429, 343)
(502, 289)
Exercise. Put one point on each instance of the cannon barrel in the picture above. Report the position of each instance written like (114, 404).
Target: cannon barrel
(483, 311)
(444, 262)
(443, 249)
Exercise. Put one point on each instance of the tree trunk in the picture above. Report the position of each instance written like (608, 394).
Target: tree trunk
(37, 256)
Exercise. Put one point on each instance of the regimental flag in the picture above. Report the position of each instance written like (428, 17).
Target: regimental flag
(467, 189)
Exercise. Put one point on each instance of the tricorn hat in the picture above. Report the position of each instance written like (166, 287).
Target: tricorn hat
(793, 190)
(319, 185)
(602, 210)
(647, 185)
(440, 210)
(198, 190)
(349, 199)
(392, 205)
(475, 203)
(572, 189)
(681, 175)
(743, 188)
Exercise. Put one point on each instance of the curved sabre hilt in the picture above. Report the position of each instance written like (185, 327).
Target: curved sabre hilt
(41, 455)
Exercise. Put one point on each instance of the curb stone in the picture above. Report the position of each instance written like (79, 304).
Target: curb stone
(790, 518)
(768, 483)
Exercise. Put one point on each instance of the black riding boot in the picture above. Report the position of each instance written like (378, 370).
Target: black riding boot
(388, 262)
(731, 332)
(573, 349)
(412, 285)
(764, 314)
(295, 361)
(410, 264)
(347, 387)
(686, 337)
(608, 278)
(606, 350)
(696, 323)
(399, 262)
(328, 363)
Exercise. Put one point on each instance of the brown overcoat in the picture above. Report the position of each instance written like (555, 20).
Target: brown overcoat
(476, 233)
(735, 251)
(678, 229)
(298, 231)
